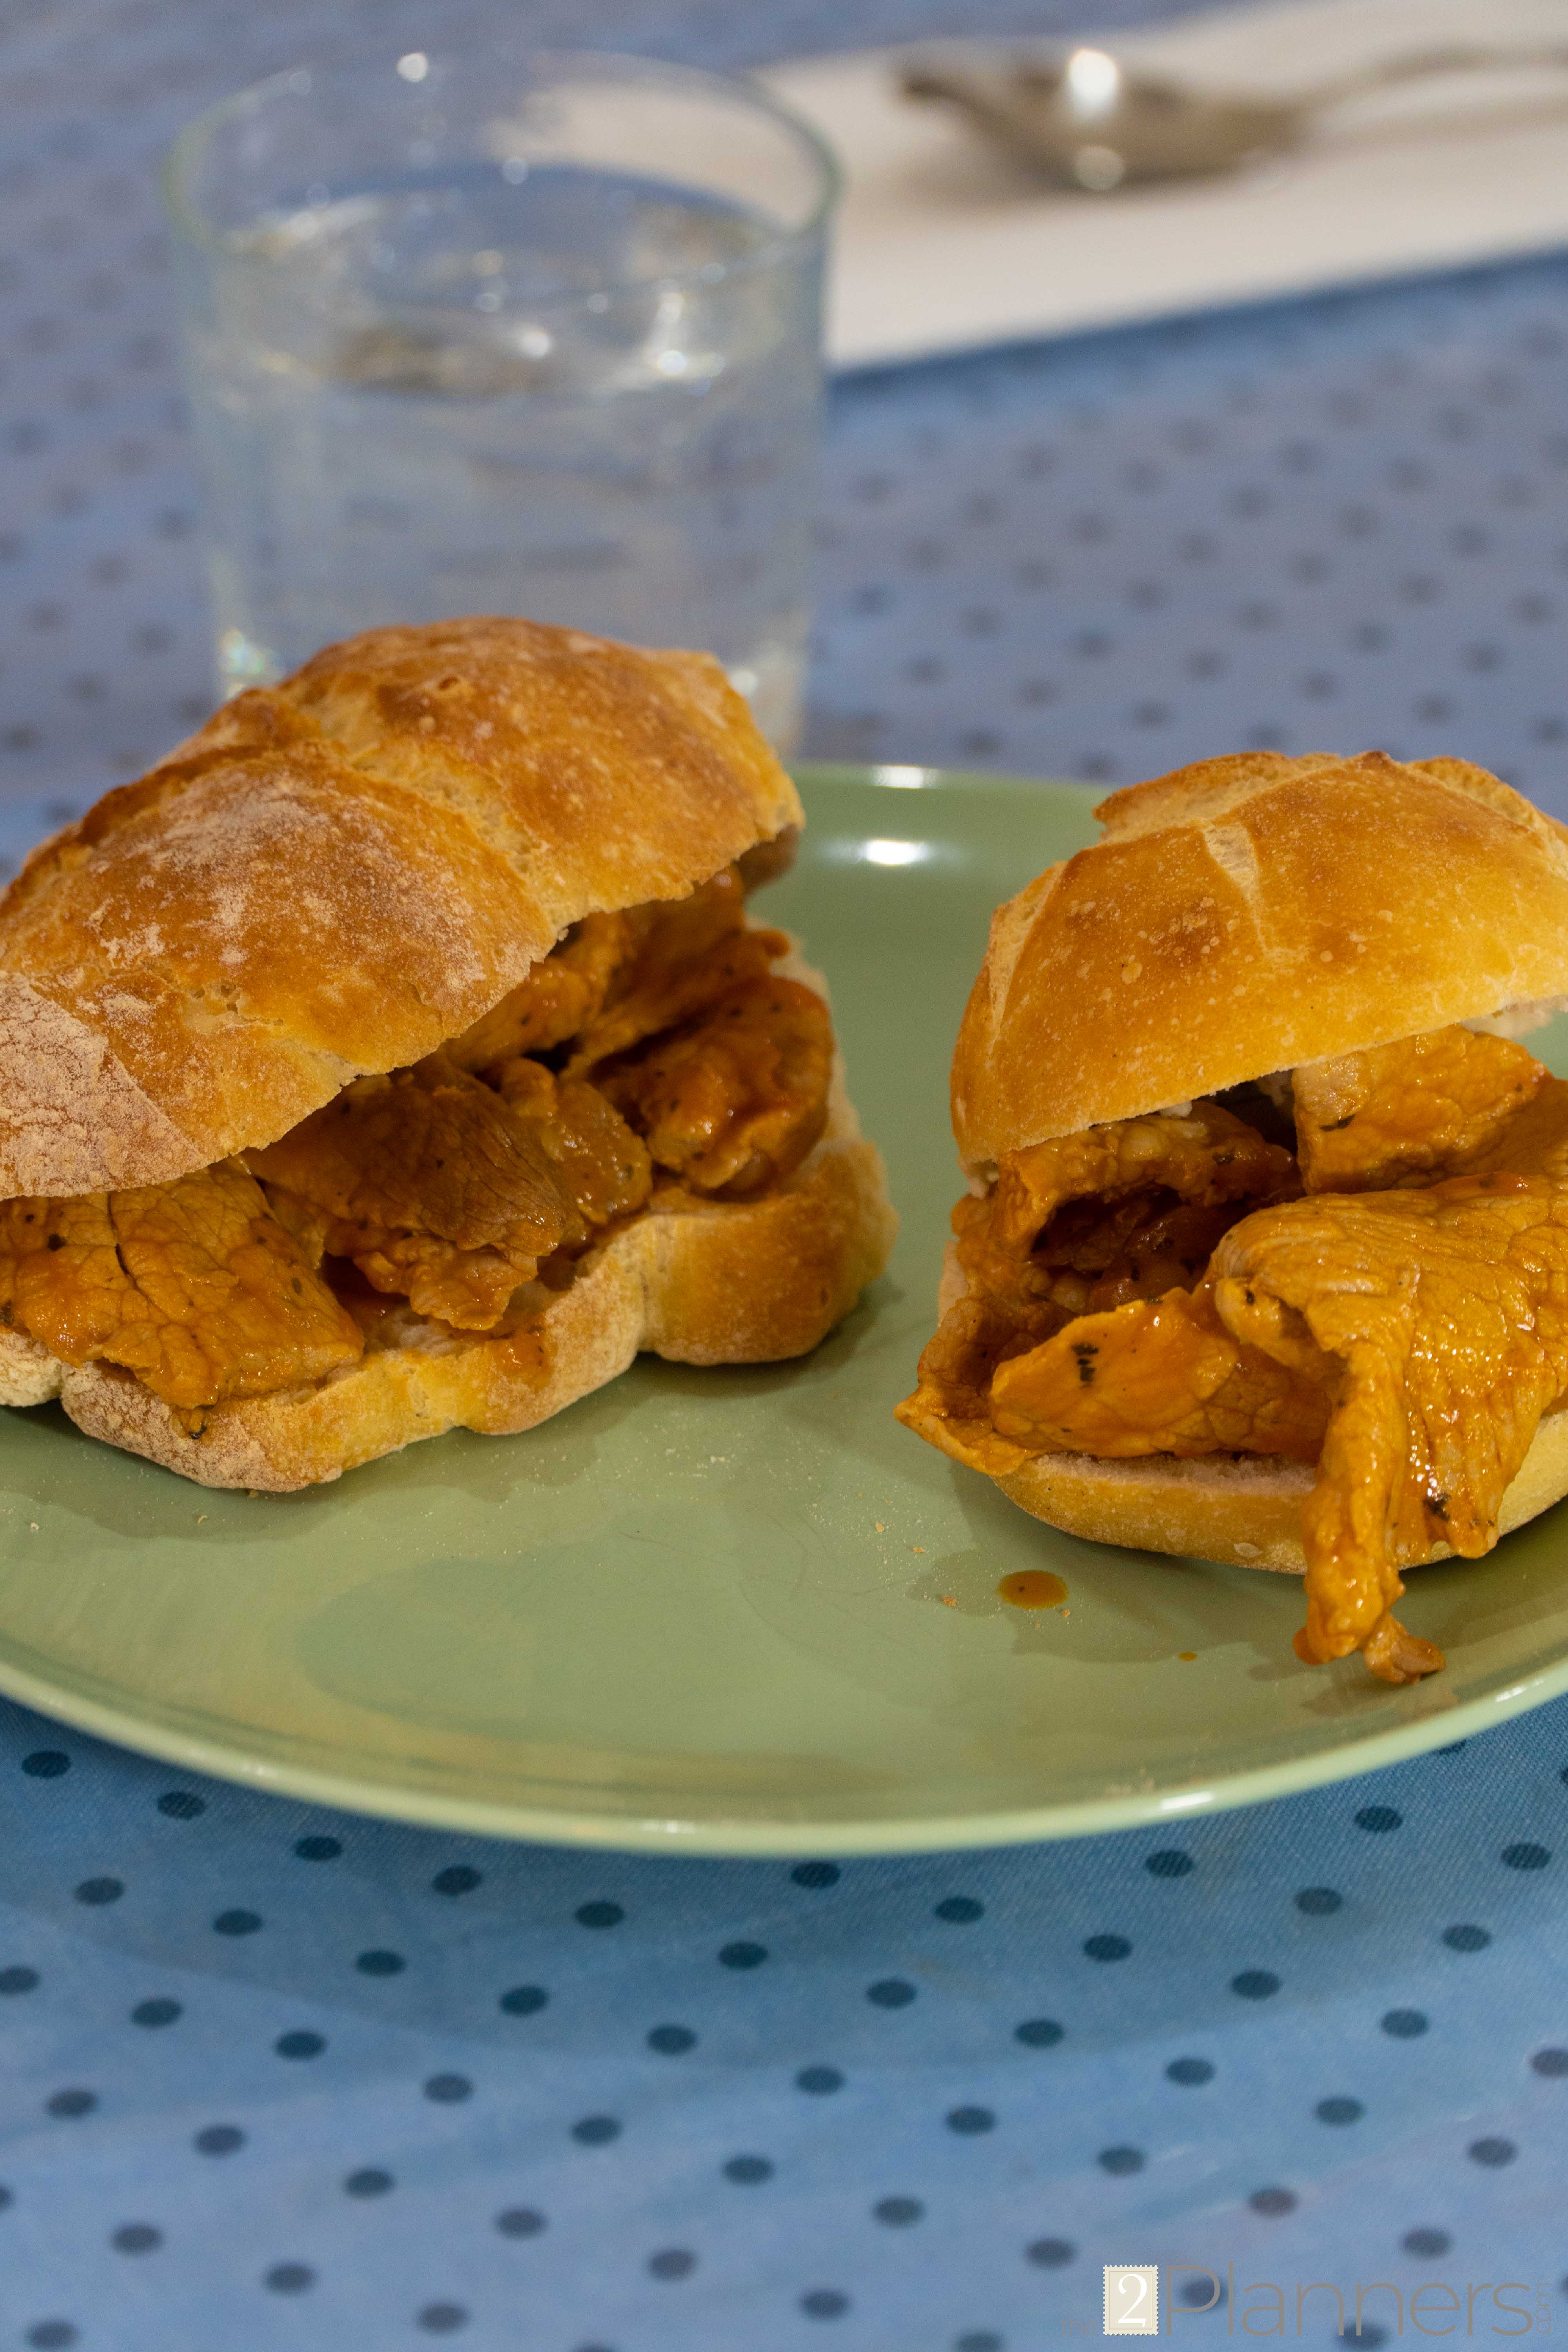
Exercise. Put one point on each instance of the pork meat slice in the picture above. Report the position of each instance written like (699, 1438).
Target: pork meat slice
(1127, 1212)
(192, 1286)
(1160, 1376)
(1410, 1113)
(1444, 1316)
(435, 1187)
(734, 1099)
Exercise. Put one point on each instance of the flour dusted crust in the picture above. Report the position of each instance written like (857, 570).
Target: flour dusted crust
(1247, 914)
(699, 1282)
(340, 873)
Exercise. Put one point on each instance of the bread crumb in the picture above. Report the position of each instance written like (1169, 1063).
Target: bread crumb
(881, 1530)
(947, 1599)
(201, 1519)
(917, 1548)
(33, 1525)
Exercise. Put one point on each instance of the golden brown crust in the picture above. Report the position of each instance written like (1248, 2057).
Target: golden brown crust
(1247, 1511)
(698, 1282)
(340, 873)
(1248, 914)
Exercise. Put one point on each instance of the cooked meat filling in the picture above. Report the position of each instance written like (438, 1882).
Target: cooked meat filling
(1437, 1322)
(1403, 1323)
(1078, 1226)
(733, 1100)
(194, 1286)
(686, 957)
(433, 1185)
(559, 997)
(1408, 1114)
(1161, 1376)
(451, 1185)
(605, 1167)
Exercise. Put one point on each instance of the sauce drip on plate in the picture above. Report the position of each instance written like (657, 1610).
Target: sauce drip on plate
(1032, 1588)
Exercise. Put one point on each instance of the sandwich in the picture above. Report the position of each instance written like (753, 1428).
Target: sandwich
(400, 1052)
(1264, 1254)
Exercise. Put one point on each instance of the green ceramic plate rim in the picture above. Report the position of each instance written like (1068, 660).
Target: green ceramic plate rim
(743, 1840)
(784, 1840)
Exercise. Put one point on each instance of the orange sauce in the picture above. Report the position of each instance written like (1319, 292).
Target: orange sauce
(1032, 1588)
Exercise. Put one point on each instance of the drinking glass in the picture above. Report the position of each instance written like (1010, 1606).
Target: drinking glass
(506, 333)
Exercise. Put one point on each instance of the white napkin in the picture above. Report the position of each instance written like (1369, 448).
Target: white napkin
(945, 244)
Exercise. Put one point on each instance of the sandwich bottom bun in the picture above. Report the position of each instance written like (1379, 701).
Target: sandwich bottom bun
(1242, 1509)
(1245, 1509)
(697, 1281)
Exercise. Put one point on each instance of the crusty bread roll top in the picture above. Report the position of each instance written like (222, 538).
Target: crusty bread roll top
(339, 874)
(1248, 914)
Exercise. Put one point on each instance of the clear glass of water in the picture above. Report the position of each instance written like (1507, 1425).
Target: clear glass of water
(500, 333)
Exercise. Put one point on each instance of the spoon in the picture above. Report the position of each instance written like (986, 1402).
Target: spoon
(1092, 123)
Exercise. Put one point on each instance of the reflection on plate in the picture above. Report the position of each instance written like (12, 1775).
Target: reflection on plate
(736, 1611)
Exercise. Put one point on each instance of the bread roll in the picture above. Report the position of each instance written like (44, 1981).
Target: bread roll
(1236, 918)
(336, 876)
(1245, 915)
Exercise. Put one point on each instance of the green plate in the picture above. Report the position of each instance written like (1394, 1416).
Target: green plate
(736, 1611)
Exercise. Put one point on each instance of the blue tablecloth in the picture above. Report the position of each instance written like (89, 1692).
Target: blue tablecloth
(276, 2078)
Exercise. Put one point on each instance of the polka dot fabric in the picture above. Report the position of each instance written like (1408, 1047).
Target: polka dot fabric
(1335, 524)
(276, 2077)
(1324, 2038)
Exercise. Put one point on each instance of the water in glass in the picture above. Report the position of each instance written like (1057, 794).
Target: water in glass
(578, 395)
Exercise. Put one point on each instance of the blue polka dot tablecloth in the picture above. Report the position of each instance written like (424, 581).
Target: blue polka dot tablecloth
(274, 2077)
